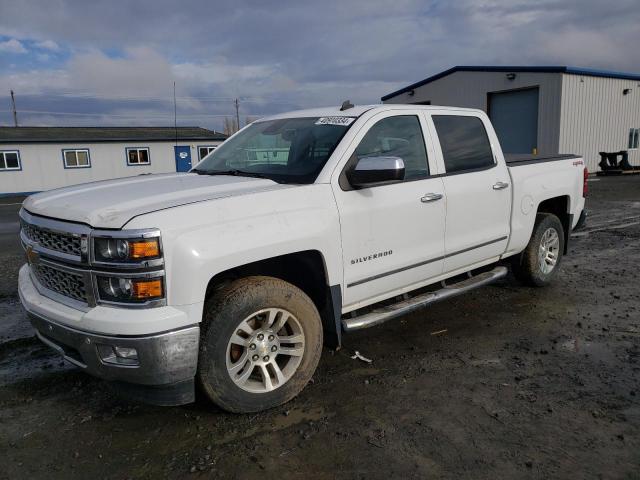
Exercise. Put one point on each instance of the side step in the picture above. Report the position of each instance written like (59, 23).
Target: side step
(389, 312)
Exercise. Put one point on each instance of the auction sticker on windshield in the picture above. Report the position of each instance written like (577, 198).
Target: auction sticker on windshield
(344, 121)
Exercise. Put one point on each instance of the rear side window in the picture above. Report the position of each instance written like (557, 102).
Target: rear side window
(464, 142)
(399, 136)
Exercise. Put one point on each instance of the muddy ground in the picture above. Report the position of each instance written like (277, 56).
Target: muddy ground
(518, 383)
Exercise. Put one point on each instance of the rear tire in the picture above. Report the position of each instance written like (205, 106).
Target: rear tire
(260, 345)
(538, 264)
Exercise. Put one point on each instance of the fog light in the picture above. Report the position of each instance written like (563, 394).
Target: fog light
(126, 352)
(126, 356)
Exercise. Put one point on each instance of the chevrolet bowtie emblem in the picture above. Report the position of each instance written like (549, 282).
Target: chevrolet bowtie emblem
(32, 256)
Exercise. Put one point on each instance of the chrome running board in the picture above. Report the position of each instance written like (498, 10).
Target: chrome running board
(389, 312)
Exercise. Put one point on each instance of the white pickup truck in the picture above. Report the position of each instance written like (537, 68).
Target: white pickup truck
(299, 228)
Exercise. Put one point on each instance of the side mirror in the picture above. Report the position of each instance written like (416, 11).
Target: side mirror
(373, 171)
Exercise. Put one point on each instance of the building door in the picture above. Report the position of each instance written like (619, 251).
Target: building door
(183, 158)
(514, 115)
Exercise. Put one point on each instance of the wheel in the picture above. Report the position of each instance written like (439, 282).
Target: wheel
(261, 343)
(538, 264)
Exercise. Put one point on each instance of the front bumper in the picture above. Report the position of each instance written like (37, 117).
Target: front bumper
(165, 367)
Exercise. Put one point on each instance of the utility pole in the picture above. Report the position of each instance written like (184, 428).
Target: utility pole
(237, 114)
(15, 113)
(175, 113)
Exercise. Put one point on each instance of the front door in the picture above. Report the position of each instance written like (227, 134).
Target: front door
(183, 158)
(392, 235)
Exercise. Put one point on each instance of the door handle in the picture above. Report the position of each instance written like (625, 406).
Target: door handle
(431, 197)
(500, 185)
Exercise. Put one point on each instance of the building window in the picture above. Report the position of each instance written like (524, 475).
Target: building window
(76, 158)
(633, 138)
(10, 160)
(138, 156)
(204, 150)
(464, 142)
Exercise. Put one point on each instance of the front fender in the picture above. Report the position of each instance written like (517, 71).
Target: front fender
(203, 239)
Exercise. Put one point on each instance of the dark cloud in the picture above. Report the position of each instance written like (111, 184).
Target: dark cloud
(283, 55)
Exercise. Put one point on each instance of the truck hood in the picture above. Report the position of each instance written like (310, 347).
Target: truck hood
(112, 203)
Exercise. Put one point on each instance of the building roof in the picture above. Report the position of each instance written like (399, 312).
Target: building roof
(105, 134)
(543, 69)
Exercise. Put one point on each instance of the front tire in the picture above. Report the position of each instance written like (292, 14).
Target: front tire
(538, 264)
(261, 344)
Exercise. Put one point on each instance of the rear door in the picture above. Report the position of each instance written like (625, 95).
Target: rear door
(392, 237)
(477, 188)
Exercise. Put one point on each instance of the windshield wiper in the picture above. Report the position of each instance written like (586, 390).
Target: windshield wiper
(233, 173)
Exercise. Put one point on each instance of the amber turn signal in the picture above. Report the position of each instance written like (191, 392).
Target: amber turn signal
(143, 289)
(145, 249)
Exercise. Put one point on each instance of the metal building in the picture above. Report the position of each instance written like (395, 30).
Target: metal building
(33, 159)
(544, 110)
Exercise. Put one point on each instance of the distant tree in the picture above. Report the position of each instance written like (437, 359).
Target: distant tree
(230, 125)
(249, 120)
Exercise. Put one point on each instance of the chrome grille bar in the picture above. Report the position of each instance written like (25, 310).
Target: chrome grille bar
(59, 242)
(65, 283)
(56, 239)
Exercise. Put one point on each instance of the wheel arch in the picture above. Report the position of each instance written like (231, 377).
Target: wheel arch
(559, 206)
(306, 270)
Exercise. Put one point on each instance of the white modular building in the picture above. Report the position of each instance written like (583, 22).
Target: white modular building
(33, 159)
(543, 110)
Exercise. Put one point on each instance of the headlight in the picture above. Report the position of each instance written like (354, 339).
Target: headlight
(122, 250)
(129, 290)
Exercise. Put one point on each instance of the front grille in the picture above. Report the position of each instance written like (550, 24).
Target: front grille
(64, 283)
(56, 241)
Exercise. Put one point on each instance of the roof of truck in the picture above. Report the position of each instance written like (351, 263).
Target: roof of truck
(356, 111)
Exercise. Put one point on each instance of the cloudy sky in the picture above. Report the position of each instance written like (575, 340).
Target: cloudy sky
(114, 62)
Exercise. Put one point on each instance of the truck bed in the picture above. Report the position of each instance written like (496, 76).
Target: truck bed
(517, 159)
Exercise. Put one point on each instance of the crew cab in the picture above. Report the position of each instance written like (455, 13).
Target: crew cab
(298, 229)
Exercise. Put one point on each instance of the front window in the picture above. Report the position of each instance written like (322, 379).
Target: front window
(76, 158)
(138, 156)
(290, 150)
(398, 136)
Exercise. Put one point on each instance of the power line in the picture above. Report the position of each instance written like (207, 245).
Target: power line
(175, 113)
(136, 115)
(165, 99)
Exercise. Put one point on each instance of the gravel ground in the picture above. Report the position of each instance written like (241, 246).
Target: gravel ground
(506, 382)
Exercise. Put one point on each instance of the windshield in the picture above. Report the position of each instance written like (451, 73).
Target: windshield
(291, 150)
